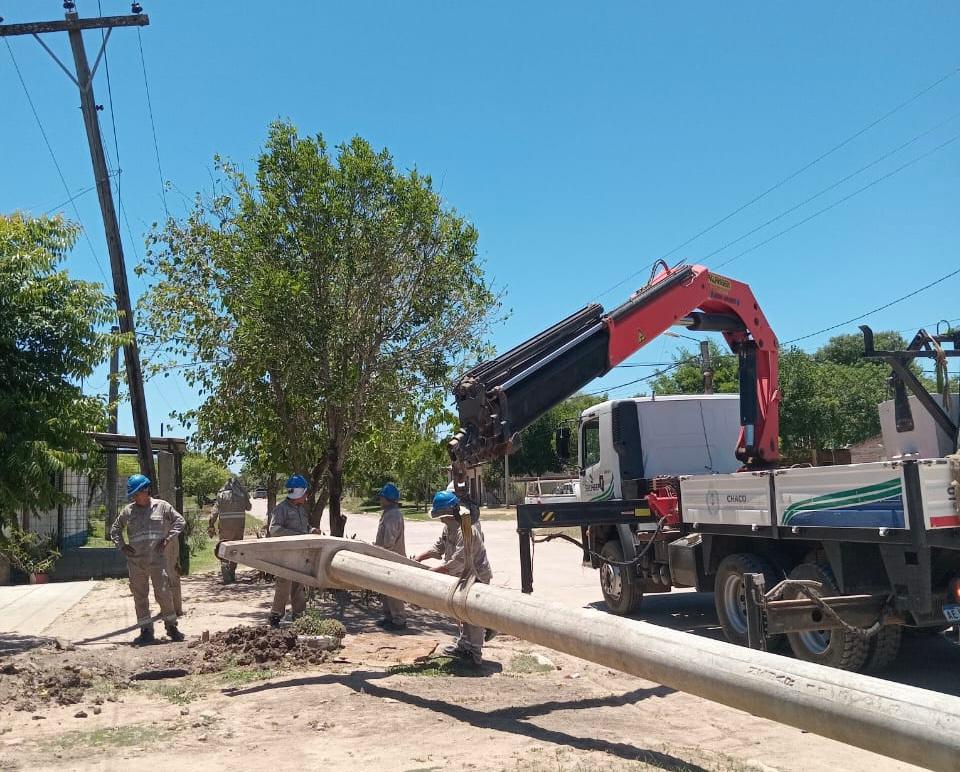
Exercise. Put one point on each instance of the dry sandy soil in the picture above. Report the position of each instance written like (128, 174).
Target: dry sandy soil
(380, 703)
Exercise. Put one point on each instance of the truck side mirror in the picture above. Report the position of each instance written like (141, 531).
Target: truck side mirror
(561, 440)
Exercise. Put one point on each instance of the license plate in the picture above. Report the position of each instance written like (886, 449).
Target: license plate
(952, 612)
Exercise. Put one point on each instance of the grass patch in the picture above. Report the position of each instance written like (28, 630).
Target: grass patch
(250, 523)
(528, 663)
(312, 622)
(115, 736)
(438, 666)
(179, 691)
(240, 676)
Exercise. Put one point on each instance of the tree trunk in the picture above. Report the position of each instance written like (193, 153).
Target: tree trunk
(271, 495)
(338, 522)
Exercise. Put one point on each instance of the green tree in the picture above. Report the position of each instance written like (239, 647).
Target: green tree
(848, 349)
(687, 376)
(537, 453)
(315, 304)
(49, 341)
(202, 476)
(829, 398)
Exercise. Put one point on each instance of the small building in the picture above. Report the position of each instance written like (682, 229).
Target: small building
(871, 449)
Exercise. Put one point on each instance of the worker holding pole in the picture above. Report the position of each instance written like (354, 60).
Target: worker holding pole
(290, 518)
(390, 536)
(451, 549)
(227, 520)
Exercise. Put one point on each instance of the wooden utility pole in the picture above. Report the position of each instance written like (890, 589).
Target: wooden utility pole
(706, 367)
(111, 457)
(74, 26)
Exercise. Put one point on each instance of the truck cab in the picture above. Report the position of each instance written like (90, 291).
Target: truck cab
(624, 444)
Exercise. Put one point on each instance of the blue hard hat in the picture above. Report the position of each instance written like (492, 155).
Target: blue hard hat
(390, 492)
(296, 481)
(135, 483)
(443, 502)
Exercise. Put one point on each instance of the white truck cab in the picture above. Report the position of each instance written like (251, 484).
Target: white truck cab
(624, 442)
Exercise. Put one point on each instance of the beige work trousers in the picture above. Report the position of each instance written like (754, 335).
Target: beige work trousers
(172, 555)
(286, 592)
(144, 570)
(471, 636)
(230, 529)
(394, 610)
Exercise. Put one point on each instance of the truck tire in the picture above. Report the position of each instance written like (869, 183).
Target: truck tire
(621, 587)
(728, 595)
(837, 648)
(883, 648)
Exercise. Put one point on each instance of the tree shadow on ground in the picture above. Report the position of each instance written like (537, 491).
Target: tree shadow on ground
(13, 643)
(510, 719)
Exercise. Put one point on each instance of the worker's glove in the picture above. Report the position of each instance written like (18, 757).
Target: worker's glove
(161, 545)
(211, 531)
(126, 549)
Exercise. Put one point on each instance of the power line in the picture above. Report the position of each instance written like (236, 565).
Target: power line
(845, 198)
(878, 308)
(836, 184)
(791, 176)
(46, 140)
(153, 125)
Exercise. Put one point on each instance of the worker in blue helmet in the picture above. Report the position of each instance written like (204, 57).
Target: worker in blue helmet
(151, 524)
(450, 549)
(390, 536)
(289, 518)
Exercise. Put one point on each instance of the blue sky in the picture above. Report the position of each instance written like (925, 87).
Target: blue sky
(583, 140)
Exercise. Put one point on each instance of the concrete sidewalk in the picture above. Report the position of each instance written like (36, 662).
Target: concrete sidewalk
(28, 610)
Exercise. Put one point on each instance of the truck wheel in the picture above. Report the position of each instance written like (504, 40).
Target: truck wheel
(620, 585)
(883, 648)
(835, 648)
(730, 600)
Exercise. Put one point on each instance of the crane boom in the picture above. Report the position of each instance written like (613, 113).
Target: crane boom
(499, 398)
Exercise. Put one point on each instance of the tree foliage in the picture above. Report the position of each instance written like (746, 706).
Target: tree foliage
(49, 341)
(829, 398)
(315, 304)
(537, 454)
(687, 376)
(202, 476)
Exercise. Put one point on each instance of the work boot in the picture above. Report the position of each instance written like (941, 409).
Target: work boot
(275, 620)
(172, 632)
(145, 637)
(489, 635)
(389, 624)
(453, 650)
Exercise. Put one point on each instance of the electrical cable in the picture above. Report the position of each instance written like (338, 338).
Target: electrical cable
(875, 310)
(56, 163)
(827, 189)
(153, 125)
(791, 176)
(842, 200)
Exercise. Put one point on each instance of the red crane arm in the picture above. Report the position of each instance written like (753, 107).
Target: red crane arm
(499, 398)
(699, 299)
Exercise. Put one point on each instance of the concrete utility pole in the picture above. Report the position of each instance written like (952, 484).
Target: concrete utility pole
(706, 367)
(74, 26)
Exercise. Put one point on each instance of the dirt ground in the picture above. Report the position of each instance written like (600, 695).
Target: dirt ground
(382, 702)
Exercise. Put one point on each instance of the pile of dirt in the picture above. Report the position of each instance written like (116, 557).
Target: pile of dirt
(255, 645)
(31, 685)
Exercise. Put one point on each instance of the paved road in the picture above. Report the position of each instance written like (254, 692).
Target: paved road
(930, 662)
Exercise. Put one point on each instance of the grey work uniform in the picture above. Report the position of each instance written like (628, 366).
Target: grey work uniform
(145, 527)
(449, 548)
(229, 513)
(289, 519)
(390, 536)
